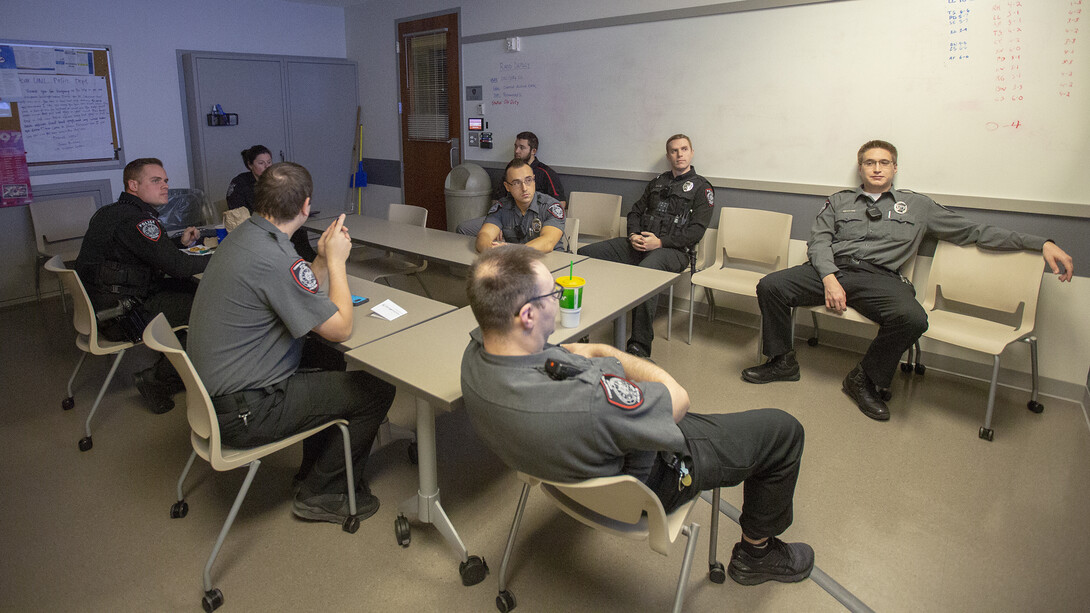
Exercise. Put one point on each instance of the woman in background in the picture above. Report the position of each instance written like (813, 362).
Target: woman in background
(240, 193)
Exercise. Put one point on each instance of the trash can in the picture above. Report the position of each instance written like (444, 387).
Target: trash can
(468, 192)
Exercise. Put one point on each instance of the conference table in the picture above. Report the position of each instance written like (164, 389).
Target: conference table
(367, 328)
(426, 360)
(428, 243)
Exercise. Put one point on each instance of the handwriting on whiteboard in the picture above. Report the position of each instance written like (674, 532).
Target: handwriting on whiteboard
(514, 82)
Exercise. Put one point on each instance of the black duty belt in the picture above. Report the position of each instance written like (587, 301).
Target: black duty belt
(847, 261)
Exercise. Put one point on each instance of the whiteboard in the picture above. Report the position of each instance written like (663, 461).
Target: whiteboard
(982, 98)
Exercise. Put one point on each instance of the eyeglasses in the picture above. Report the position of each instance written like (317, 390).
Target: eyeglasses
(873, 163)
(528, 182)
(557, 291)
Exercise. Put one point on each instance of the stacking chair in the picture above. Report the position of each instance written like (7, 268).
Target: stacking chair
(392, 264)
(571, 235)
(59, 226)
(702, 255)
(87, 339)
(985, 300)
(624, 506)
(597, 215)
(750, 244)
(205, 438)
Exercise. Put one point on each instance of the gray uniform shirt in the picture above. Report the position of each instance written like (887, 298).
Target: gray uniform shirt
(257, 300)
(518, 228)
(842, 228)
(594, 424)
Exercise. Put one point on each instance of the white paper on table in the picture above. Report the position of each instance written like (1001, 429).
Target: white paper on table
(387, 310)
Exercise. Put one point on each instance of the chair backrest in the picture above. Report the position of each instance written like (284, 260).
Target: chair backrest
(597, 213)
(998, 281)
(571, 234)
(407, 214)
(622, 505)
(199, 409)
(705, 249)
(59, 224)
(83, 314)
(752, 239)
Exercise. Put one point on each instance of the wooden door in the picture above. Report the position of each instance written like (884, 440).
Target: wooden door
(430, 110)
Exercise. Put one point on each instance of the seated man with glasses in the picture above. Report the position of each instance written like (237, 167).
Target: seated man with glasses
(859, 241)
(524, 216)
(575, 412)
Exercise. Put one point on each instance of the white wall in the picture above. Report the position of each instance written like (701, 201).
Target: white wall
(1063, 326)
(145, 36)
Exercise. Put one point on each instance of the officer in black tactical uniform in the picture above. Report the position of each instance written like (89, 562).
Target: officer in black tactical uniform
(664, 227)
(123, 264)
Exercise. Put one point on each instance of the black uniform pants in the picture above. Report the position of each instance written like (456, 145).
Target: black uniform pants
(303, 401)
(883, 298)
(664, 258)
(762, 449)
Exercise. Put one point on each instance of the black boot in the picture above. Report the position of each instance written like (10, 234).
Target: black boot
(779, 368)
(158, 395)
(858, 387)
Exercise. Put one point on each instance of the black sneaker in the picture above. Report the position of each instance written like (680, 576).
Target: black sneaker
(785, 562)
(638, 350)
(157, 395)
(333, 508)
(780, 368)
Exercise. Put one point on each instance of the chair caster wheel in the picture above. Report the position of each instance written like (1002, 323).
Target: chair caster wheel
(351, 524)
(179, 509)
(987, 433)
(505, 601)
(906, 367)
(716, 573)
(68, 403)
(920, 369)
(1035, 406)
(812, 341)
(412, 452)
(402, 531)
(212, 600)
(85, 443)
(473, 570)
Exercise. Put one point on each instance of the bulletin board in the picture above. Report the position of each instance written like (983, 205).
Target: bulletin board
(60, 100)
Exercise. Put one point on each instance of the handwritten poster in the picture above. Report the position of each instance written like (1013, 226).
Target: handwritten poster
(65, 118)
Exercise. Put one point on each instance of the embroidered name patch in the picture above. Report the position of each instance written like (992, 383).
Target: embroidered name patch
(556, 210)
(304, 276)
(710, 194)
(150, 229)
(621, 392)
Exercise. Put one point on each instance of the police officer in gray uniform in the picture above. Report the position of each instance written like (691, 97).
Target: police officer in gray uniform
(579, 411)
(859, 241)
(255, 306)
(525, 216)
(133, 271)
(664, 227)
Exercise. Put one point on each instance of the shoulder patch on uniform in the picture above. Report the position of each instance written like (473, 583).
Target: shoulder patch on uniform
(556, 210)
(495, 207)
(304, 276)
(824, 206)
(621, 392)
(150, 229)
(709, 193)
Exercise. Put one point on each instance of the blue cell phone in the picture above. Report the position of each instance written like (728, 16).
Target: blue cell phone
(358, 300)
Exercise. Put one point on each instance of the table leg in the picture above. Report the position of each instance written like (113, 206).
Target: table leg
(425, 506)
(620, 331)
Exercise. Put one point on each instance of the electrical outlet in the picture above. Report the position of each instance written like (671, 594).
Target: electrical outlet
(472, 140)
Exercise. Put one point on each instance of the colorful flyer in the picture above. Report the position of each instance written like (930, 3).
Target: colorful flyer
(14, 176)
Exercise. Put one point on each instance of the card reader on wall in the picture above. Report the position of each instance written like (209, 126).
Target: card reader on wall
(486, 140)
